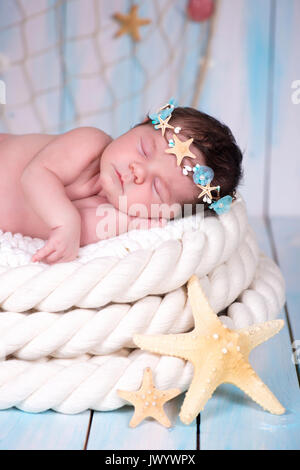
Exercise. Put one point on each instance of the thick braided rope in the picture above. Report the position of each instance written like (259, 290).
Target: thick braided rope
(223, 252)
(88, 382)
(91, 382)
(142, 272)
(112, 324)
(100, 332)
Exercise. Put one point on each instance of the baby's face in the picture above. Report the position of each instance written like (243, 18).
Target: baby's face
(136, 165)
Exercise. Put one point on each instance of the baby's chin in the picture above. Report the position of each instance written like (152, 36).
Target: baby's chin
(107, 189)
(118, 201)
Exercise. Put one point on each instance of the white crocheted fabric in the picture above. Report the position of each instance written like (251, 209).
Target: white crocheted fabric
(17, 250)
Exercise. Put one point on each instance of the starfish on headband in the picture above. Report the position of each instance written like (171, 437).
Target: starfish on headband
(180, 149)
(163, 124)
(203, 176)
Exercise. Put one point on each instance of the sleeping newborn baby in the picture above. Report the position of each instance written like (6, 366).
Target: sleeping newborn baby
(83, 186)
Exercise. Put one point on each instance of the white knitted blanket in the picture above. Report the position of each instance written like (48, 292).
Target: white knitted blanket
(17, 249)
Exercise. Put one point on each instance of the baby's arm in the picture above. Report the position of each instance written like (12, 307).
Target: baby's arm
(43, 180)
(106, 221)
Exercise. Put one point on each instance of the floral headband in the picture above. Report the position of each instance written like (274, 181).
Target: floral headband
(202, 174)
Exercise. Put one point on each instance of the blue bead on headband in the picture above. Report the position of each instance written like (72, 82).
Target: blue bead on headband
(163, 112)
(202, 174)
(222, 205)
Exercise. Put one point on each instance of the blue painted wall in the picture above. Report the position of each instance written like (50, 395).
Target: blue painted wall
(63, 68)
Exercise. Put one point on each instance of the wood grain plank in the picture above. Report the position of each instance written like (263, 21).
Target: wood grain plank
(233, 421)
(286, 235)
(42, 431)
(98, 68)
(32, 72)
(285, 148)
(110, 430)
(236, 85)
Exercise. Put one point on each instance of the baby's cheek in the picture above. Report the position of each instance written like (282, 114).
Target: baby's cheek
(138, 202)
(139, 209)
(107, 189)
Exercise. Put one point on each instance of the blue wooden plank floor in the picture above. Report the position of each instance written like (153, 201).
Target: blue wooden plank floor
(230, 419)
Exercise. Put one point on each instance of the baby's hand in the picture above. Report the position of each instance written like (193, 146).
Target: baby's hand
(139, 223)
(61, 246)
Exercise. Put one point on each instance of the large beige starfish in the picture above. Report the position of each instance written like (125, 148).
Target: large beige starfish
(181, 149)
(218, 354)
(149, 401)
(130, 23)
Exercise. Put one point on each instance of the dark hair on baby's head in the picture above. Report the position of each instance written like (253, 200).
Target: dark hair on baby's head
(217, 145)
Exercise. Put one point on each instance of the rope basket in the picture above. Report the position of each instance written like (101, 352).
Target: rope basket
(66, 329)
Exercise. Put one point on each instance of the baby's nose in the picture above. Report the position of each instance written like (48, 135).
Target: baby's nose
(138, 172)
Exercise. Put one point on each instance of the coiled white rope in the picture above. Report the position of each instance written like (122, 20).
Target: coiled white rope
(144, 271)
(133, 283)
(91, 382)
(32, 336)
(88, 382)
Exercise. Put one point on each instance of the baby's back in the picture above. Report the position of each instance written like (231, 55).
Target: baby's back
(16, 151)
(16, 215)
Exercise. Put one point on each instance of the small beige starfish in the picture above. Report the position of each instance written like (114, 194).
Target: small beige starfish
(181, 149)
(163, 124)
(130, 23)
(149, 401)
(218, 354)
(206, 190)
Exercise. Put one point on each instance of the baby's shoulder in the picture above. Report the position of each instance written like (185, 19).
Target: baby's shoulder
(98, 136)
